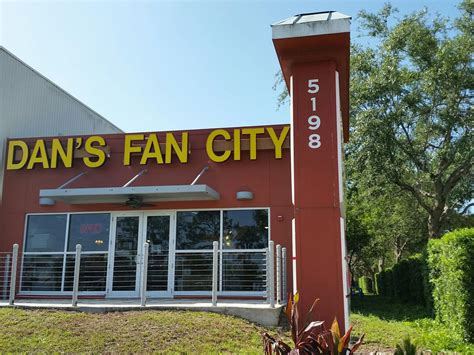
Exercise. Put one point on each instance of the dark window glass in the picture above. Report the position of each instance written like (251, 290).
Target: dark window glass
(42, 273)
(125, 260)
(90, 230)
(197, 230)
(92, 274)
(243, 272)
(46, 233)
(193, 272)
(158, 235)
(245, 229)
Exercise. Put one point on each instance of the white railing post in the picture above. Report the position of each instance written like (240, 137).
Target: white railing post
(278, 273)
(77, 269)
(144, 275)
(283, 275)
(6, 273)
(270, 274)
(13, 274)
(215, 257)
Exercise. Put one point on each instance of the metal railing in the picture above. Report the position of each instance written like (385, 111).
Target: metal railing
(215, 272)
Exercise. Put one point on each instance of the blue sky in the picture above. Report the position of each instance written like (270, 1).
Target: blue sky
(165, 65)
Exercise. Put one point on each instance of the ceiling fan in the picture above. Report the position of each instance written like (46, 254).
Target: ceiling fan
(136, 202)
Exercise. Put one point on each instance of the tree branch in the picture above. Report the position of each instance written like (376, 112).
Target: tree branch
(467, 207)
(415, 194)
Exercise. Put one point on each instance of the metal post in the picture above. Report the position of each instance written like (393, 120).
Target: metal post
(283, 275)
(13, 274)
(278, 274)
(77, 269)
(215, 257)
(270, 274)
(144, 274)
(6, 272)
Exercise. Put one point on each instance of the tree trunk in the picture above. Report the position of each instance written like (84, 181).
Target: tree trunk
(435, 222)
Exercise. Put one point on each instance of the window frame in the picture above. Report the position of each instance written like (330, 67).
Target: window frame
(221, 250)
(64, 253)
(220, 292)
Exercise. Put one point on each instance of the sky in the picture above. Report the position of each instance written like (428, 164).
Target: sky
(168, 65)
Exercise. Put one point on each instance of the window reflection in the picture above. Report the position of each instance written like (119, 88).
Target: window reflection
(46, 233)
(245, 229)
(243, 271)
(90, 230)
(42, 272)
(197, 230)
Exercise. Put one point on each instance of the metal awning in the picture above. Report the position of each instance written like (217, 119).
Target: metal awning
(121, 194)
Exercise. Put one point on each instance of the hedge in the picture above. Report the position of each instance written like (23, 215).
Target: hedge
(451, 263)
(366, 284)
(404, 282)
(384, 280)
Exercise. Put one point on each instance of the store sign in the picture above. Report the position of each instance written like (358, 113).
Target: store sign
(221, 145)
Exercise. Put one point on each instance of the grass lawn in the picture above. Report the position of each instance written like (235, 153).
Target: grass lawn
(139, 331)
(386, 324)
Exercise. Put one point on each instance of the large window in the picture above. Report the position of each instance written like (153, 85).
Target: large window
(46, 233)
(197, 230)
(48, 263)
(242, 236)
(245, 229)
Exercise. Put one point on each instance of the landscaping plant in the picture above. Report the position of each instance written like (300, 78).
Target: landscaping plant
(408, 348)
(310, 338)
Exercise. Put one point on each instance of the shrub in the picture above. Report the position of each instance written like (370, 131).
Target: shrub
(416, 265)
(377, 283)
(427, 287)
(366, 285)
(401, 281)
(310, 337)
(451, 263)
(404, 282)
(388, 283)
(383, 282)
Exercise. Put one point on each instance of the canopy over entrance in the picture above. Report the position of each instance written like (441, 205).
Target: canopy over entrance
(122, 194)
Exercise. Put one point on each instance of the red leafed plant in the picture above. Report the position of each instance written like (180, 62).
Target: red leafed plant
(312, 338)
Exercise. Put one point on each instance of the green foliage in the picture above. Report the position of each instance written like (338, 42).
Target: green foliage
(377, 283)
(408, 280)
(310, 337)
(427, 286)
(408, 348)
(385, 283)
(366, 285)
(411, 111)
(451, 263)
(386, 323)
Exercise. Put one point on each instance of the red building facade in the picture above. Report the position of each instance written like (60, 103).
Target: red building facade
(181, 191)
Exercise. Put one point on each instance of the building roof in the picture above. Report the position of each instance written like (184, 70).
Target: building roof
(311, 24)
(38, 74)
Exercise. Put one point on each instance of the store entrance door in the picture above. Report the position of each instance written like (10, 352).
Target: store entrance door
(128, 234)
(159, 234)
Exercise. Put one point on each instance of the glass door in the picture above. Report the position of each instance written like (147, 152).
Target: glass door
(125, 255)
(159, 235)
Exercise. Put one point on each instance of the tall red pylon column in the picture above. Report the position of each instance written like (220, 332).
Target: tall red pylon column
(313, 51)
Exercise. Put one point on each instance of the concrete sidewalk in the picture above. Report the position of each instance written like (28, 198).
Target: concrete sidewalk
(255, 311)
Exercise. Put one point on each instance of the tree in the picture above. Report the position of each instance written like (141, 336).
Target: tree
(411, 111)
(382, 229)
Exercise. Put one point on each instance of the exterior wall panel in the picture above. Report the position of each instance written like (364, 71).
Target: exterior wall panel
(33, 106)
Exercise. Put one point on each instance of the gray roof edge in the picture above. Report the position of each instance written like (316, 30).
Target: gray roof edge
(2, 48)
(311, 24)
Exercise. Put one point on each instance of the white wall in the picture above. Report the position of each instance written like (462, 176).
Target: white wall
(33, 106)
